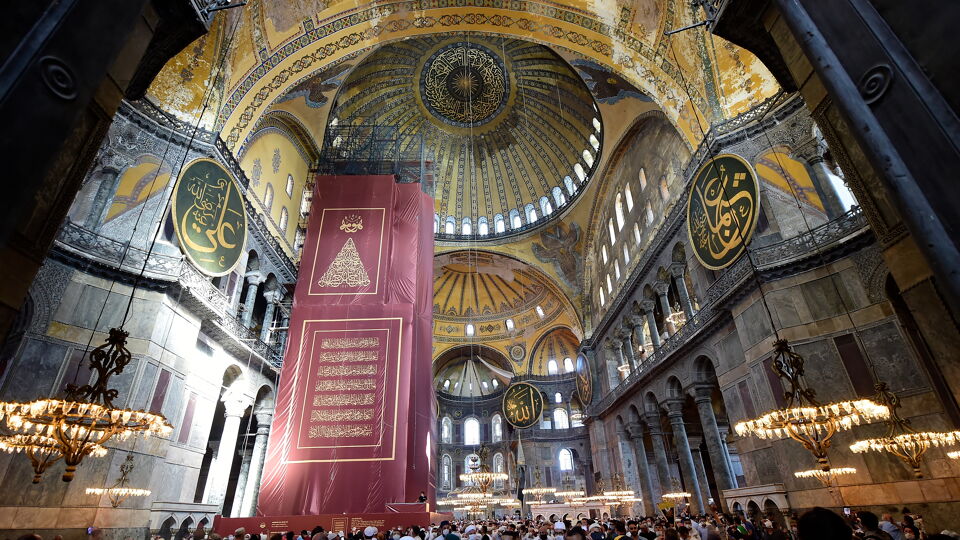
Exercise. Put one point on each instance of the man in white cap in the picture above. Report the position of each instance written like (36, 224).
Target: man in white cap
(559, 530)
(370, 531)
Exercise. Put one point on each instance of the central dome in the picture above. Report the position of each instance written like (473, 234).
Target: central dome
(464, 84)
(510, 130)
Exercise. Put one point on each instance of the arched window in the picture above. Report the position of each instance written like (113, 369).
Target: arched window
(565, 459)
(469, 330)
(268, 198)
(471, 432)
(613, 233)
(446, 384)
(545, 207)
(626, 253)
(603, 253)
(559, 197)
(618, 207)
(568, 183)
(664, 189)
(557, 398)
(289, 185)
(628, 195)
(466, 226)
(578, 170)
(649, 214)
(568, 365)
(596, 124)
(436, 224)
(509, 323)
(499, 225)
(594, 142)
(609, 285)
(446, 472)
(540, 312)
(450, 226)
(603, 299)
(552, 367)
(515, 219)
(636, 233)
(496, 424)
(284, 217)
(498, 468)
(616, 269)
(588, 158)
(446, 425)
(482, 228)
(473, 460)
(643, 179)
(560, 419)
(530, 212)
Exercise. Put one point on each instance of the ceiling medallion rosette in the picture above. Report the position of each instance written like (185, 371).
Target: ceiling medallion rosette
(464, 84)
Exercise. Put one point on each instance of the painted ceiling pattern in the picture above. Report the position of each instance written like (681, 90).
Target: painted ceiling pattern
(504, 121)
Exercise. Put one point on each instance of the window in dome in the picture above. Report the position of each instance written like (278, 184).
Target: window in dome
(469, 330)
(496, 383)
(540, 312)
(568, 365)
(446, 384)
(552, 367)
(609, 285)
(578, 170)
(603, 299)
(613, 233)
(515, 219)
(298, 240)
(628, 195)
(483, 384)
(284, 217)
(594, 142)
(664, 189)
(596, 124)
(466, 226)
(530, 212)
(499, 225)
(643, 179)
(565, 458)
(557, 398)
(649, 214)
(636, 233)
(568, 183)
(289, 185)
(559, 197)
(618, 207)
(560, 419)
(545, 207)
(509, 323)
(588, 158)
(482, 228)
(450, 225)
(616, 268)
(268, 198)
(471, 432)
(446, 428)
(603, 253)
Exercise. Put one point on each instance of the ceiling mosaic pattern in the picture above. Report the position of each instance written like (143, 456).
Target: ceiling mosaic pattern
(504, 121)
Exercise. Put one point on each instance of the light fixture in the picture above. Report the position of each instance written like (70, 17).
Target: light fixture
(480, 474)
(902, 440)
(120, 492)
(954, 455)
(677, 317)
(538, 490)
(676, 495)
(825, 477)
(804, 419)
(79, 424)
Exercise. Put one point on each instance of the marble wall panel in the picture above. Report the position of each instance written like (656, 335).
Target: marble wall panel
(753, 325)
(824, 371)
(886, 350)
(35, 370)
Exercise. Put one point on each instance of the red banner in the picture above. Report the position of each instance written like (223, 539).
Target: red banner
(330, 522)
(349, 435)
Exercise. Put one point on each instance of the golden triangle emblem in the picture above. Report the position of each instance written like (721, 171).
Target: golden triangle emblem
(346, 269)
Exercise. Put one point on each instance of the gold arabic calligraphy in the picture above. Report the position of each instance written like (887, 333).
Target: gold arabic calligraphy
(722, 210)
(522, 405)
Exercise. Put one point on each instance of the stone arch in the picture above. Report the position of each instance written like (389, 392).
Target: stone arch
(166, 528)
(650, 403)
(704, 370)
(555, 344)
(679, 253)
(184, 530)
(674, 387)
(266, 398)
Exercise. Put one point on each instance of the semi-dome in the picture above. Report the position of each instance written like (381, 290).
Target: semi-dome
(511, 131)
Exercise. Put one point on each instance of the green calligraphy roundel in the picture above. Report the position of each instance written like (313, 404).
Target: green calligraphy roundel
(522, 405)
(722, 210)
(209, 217)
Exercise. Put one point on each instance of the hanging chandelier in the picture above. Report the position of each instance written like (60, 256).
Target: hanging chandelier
(805, 420)
(954, 455)
(677, 317)
(78, 425)
(902, 440)
(480, 474)
(538, 490)
(119, 492)
(569, 491)
(825, 477)
(676, 495)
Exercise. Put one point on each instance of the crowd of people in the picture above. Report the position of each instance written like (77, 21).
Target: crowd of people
(816, 524)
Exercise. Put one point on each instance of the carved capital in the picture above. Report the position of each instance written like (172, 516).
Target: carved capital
(255, 278)
(703, 393)
(661, 287)
(635, 429)
(612, 344)
(632, 321)
(274, 297)
(647, 306)
(674, 409)
(677, 269)
(264, 421)
(622, 334)
(234, 405)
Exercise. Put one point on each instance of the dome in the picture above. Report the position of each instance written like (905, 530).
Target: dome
(472, 372)
(511, 131)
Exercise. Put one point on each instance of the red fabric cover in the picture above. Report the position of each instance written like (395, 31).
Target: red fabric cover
(360, 330)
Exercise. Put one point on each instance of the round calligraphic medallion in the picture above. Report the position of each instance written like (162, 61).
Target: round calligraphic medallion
(209, 217)
(584, 382)
(522, 405)
(464, 84)
(722, 210)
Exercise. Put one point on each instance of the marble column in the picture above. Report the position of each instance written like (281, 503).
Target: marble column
(233, 413)
(700, 469)
(109, 180)
(661, 289)
(282, 339)
(254, 279)
(629, 459)
(647, 306)
(711, 435)
(684, 456)
(613, 376)
(659, 452)
(272, 298)
(812, 154)
(252, 489)
(235, 508)
(627, 348)
(677, 271)
(635, 324)
(649, 493)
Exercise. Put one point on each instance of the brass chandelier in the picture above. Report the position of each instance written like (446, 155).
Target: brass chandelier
(804, 419)
(50, 429)
(902, 440)
(539, 490)
(480, 474)
(825, 477)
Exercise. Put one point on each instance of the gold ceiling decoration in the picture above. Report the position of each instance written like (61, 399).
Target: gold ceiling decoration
(464, 83)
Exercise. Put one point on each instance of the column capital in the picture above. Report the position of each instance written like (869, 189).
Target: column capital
(264, 419)
(661, 288)
(635, 429)
(622, 333)
(653, 421)
(273, 296)
(674, 408)
(234, 403)
(677, 269)
(255, 278)
(703, 393)
(632, 321)
(613, 344)
(647, 305)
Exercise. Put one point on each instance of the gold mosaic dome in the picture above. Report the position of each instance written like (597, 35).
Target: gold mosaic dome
(510, 129)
